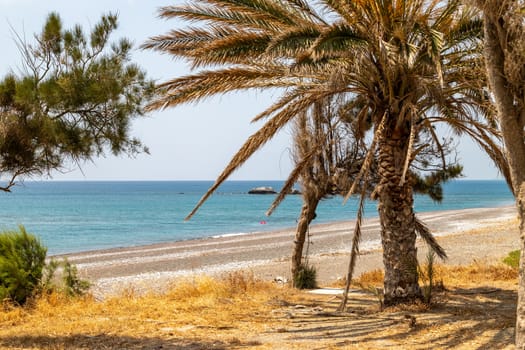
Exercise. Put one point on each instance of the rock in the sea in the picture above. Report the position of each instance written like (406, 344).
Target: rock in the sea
(262, 190)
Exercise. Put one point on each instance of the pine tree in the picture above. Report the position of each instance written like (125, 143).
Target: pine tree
(74, 100)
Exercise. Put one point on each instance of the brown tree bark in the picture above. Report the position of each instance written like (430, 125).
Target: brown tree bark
(520, 309)
(510, 117)
(307, 215)
(511, 113)
(398, 228)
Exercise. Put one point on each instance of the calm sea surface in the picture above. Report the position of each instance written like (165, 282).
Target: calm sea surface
(77, 216)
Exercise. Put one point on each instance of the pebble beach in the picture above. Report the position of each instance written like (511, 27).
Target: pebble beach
(483, 234)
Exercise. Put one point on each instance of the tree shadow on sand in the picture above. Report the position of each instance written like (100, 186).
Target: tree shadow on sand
(475, 318)
(104, 341)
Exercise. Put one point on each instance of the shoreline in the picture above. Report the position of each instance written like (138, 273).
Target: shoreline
(315, 226)
(266, 254)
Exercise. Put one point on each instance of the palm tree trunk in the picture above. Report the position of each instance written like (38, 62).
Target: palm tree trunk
(511, 120)
(520, 310)
(307, 215)
(398, 227)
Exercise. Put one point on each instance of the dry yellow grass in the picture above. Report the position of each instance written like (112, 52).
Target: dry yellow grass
(452, 275)
(238, 312)
(197, 311)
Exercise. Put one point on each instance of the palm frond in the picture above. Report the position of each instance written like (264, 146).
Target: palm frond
(346, 10)
(305, 8)
(280, 11)
(437, 141)
(290, 181)
(227, 14)
(468, 29)
(236, 48)
(258, 139)
(485, 137)
(368, 159)
(354, 250)
(308, 92)
(291, 43)
(209, 83)
(424, 232)
(410, 148)
(254, 142)
(338, 40)
(179, 41)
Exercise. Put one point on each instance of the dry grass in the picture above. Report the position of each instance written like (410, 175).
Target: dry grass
(475, 273)
(239, 312)
(195, 313)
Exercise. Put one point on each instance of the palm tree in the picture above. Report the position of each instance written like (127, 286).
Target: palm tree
(504, 24)
(315, 167)
(401, 66)
(410, 62)
(327, 158)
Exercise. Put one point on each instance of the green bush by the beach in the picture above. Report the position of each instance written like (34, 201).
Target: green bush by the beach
(22, 259)
(24, 272)
(306, 277)
(513, 259)
(73, 284)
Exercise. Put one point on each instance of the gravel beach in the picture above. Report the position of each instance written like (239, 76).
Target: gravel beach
(468, 235)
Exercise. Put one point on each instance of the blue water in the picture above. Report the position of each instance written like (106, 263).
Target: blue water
(77, 216)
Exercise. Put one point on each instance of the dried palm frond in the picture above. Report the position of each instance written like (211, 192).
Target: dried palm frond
(290, 182)
(365, 168)
(424, 232)
(354, 250)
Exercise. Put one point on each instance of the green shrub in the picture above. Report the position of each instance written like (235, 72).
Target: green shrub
(72, 284)
(65, 281)
(48, 276)
(426, 274)
(306, 277)
(22, 259)
(513, 259)
(24, 272)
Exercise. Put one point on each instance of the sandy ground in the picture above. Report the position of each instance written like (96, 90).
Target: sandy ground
(485, 235)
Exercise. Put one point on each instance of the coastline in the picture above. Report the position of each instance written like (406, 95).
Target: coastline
(73, 217)
(485, 234)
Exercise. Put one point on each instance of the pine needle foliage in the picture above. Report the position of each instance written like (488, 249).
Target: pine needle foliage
(72, 284)
(73, 100)
(22, 260)
(25, 274)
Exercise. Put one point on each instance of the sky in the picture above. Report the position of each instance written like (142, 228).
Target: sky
(189, 142)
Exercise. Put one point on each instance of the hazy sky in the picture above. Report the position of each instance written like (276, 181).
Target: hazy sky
(192, 142)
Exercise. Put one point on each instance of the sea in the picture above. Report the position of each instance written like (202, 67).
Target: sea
(75, 216)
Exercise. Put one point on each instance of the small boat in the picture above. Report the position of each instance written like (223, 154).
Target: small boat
(262, 190)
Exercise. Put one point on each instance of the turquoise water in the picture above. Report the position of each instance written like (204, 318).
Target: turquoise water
(77, 216)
